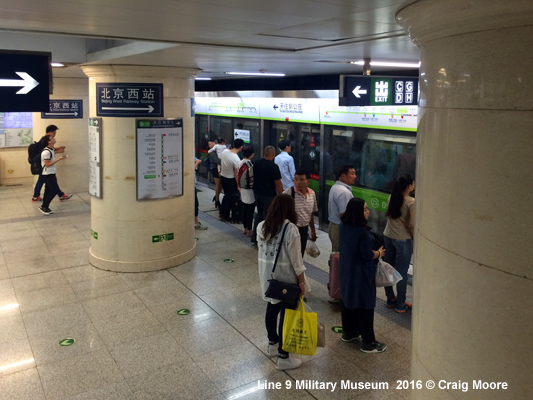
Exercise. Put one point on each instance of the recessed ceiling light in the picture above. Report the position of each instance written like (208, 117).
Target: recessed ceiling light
(388, 64)
(57, 65)
(202, 79)
(254, 73)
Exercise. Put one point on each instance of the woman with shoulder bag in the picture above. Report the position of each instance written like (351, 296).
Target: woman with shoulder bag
(278, 242)
(358, 277)
(398, 237)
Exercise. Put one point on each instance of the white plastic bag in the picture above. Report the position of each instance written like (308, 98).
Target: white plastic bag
(386, 275)
(312, 249)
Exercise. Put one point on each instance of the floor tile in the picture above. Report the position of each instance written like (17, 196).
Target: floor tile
(234, 366)
(114, 391)
(176, 381)
(15, 355)
(206, 336)
(124, 328)
(58, 318)
(78, 374)
(231, 300)
(144, 279)
(85, 273)
(22, 385)
(99, 287)
(143, 355)
(113, 305)
(39, 281)
(46, 348)
(164, 293)
(33, 266)
(209, 283)
(47, 297)
(168, 315)
(12, 328)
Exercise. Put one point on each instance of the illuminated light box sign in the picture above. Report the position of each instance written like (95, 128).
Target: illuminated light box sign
(362, 91)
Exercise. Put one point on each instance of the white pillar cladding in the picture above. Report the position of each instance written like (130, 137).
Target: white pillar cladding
(473, 284)
(124, 225)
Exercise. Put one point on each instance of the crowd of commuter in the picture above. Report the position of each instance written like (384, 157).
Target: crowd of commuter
(284, 222)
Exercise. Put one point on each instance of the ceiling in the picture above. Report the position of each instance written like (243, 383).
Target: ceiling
(295, 37)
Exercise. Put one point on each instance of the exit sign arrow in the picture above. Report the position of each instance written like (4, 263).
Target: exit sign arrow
(358, 91)
(27, 83)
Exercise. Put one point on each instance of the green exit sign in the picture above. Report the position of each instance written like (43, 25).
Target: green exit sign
(144, 124)
(162, 238)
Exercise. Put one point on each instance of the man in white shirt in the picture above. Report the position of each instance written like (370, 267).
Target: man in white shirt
(339, 196)
(48, 162)
(285, 162)
(305, 205)
(229, 173)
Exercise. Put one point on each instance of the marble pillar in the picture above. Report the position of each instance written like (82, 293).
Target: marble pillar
(124, 225)
(473, 279)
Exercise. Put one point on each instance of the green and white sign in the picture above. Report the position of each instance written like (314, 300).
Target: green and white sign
(94, 234)
(66, 342)
(163, 238)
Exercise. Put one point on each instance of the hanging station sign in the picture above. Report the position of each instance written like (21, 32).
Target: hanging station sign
(129, 100)
(364, 91)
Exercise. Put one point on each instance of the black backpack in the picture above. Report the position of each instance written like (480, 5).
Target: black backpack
(34, 149)
(36, 165)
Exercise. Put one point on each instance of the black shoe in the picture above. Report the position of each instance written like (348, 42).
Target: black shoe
(45, 210)
(348, 337)
(374, 347)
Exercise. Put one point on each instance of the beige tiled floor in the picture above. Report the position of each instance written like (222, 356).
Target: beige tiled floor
(130, 342)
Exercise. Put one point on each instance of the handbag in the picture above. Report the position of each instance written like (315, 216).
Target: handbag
(278, 290)
(300, 331)
(386, 274)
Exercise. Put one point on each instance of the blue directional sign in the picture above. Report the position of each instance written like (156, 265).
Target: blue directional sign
(129, 100)
(365, 91)
(64, 109)
(25, 80)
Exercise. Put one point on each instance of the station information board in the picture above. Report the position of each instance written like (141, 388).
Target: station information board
(159, 158)
(364, 91)
(16, 129)
(95, 157)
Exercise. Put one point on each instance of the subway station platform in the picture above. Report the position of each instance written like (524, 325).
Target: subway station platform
(130, 341)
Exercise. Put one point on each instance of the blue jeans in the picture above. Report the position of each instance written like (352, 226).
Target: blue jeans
(398, 255)
(39, 185)
(274, 325)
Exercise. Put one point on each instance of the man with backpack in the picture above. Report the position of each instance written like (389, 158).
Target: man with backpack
(34, 150)
(48, 163)
(246, 186)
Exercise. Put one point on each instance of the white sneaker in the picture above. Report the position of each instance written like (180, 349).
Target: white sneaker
(272, 350)
(288, 363)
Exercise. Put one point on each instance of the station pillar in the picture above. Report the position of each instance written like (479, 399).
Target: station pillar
(123, 227)
(473, 275)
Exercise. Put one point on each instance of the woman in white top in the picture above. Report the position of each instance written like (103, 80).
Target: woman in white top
(289, 268)
(398, 237)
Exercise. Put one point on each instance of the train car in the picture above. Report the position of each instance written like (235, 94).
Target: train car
(379, 141)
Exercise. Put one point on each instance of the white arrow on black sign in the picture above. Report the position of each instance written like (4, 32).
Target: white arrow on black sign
(75, 114)
(27, 83)
(358, 91)
(149, 109)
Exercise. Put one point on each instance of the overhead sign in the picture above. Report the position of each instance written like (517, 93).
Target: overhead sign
(64, 109)
(363, 91)
(129, 100)
(24, 80)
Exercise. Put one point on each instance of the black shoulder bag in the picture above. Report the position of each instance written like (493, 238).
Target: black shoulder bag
(286, 292)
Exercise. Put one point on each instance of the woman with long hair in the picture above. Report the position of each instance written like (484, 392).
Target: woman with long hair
(398, 238)
(358, 277)
(278, 227)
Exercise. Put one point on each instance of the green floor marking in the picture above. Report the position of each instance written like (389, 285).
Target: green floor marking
(183, 311)
(66, 342)
(337, 329)
(228, 260)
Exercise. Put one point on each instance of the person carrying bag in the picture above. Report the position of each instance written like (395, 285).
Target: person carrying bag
(280, 265)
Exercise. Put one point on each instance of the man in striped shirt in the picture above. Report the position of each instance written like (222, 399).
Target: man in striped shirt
(305, 203)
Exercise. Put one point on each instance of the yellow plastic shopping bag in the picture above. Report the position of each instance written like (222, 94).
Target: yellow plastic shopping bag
(300, 331)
